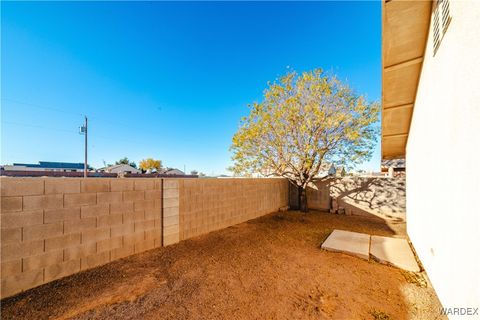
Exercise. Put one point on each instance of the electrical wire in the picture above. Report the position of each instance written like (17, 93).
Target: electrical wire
(90, 117)
(63, 130)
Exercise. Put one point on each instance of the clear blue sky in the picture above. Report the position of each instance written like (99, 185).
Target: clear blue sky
(165, 80)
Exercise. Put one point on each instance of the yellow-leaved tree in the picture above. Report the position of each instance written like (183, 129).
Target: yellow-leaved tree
(303, 121)
(150, 164)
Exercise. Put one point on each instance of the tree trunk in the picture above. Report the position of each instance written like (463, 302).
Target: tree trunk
(302, 199)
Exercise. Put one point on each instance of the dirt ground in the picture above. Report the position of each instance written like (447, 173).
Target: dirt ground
(268, 268)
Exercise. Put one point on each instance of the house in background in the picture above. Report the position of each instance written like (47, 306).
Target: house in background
(172, 171)
(326, 170)
(393, 167)
(340, 172)
(120, 169)
(46, 166)
(431, 117)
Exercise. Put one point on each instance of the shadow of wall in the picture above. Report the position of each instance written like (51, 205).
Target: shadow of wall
(380, 197)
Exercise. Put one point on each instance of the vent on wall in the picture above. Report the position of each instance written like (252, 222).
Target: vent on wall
(441, 20)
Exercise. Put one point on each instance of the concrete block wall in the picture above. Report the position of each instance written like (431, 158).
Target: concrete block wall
(212, 204)
(54, 227)
(171, 221)
(364, 196)
(318, 195)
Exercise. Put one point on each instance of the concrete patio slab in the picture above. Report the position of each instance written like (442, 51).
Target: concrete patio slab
(348, 242)
(393, 251)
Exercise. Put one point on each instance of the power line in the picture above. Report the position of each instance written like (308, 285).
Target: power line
(115, 123)
(63, 130)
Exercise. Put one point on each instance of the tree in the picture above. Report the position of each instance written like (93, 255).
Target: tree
(150, 164)
(303, 121)
(126, 161)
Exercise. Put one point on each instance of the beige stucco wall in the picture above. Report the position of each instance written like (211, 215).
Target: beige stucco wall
(443, 161)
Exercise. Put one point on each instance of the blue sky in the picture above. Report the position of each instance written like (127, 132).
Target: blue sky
(162, 79)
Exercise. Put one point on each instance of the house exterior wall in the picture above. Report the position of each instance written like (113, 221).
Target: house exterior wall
(443, 152)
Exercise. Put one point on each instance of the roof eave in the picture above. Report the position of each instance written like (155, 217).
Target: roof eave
(404, 34)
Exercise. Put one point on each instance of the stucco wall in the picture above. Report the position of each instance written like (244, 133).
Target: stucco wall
(443, 152)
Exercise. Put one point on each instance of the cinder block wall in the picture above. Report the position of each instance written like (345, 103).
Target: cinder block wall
(212, 204)
(171, 233)
(318, 195)
(54, 227)
(365, 196)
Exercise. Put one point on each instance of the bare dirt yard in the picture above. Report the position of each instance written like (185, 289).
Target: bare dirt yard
(267, 268)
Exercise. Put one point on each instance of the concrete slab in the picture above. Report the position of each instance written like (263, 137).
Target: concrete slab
(348, 242)
(393, 251)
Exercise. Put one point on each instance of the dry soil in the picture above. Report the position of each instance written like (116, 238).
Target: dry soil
(267, 268)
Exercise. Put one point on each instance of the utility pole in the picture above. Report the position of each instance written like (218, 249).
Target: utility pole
(84, 131)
